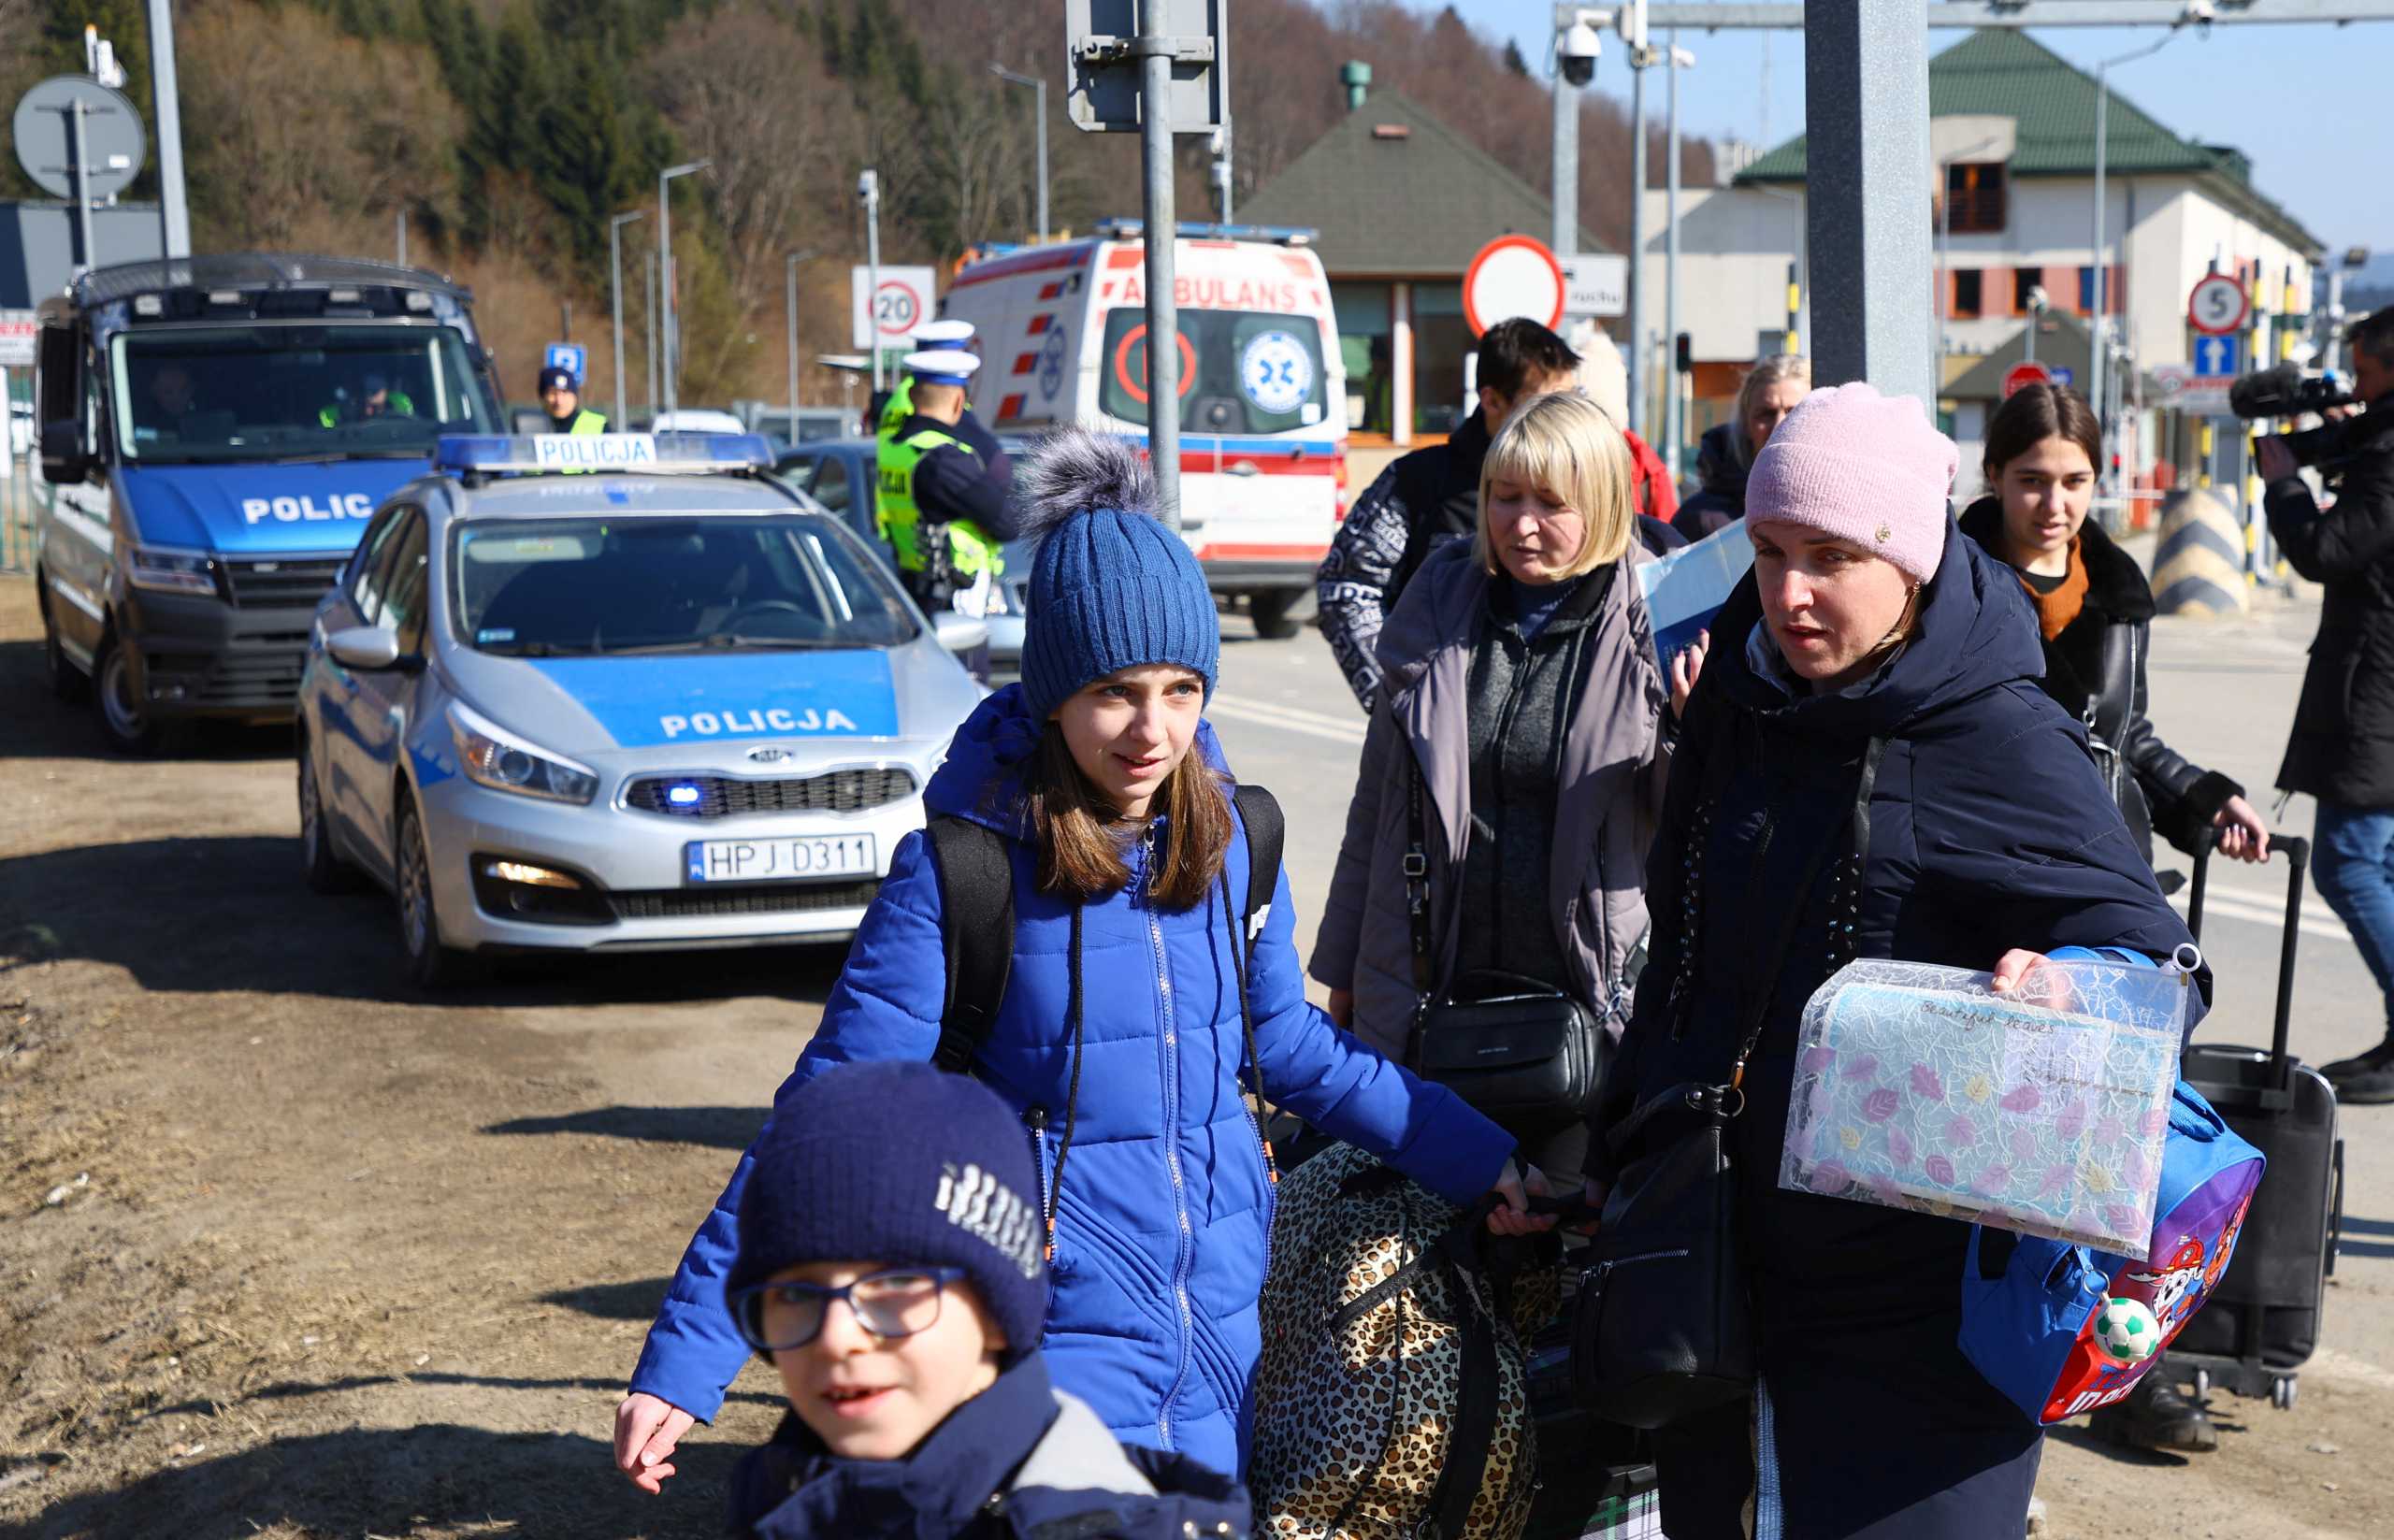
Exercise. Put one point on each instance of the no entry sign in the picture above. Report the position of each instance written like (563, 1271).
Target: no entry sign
(1513, 275)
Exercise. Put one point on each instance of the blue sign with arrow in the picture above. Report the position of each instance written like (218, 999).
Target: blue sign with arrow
(568, 357)
(2218, 357)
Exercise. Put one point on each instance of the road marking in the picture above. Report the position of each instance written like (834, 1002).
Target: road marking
(1290, 719)
(2268, 915)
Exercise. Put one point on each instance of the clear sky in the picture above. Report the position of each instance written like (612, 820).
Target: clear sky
(2306, 103)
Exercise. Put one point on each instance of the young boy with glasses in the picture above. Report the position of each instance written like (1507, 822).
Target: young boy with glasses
(891, 1268)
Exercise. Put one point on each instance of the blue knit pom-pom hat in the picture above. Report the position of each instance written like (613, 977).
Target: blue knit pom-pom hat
(1111, 587)
(900, 1163)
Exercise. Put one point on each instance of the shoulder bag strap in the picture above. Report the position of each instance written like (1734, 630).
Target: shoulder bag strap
(1417, 882)
(1259, 815)
(977, 932)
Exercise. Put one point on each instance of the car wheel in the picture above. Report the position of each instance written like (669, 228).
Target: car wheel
(326, 871)
(427, 963)
(130, 729)
(67, 682)
(1270, 613)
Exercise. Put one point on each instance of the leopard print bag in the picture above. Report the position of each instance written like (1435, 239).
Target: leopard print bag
(1373, 1329)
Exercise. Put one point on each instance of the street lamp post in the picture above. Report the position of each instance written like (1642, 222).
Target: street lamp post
(615, 291)
(2100, 322)
(1041, 108)
(672, 371)
(790, 276)
(1674, 428)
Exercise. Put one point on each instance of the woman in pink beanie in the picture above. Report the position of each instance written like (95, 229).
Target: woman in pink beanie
(1866, 769)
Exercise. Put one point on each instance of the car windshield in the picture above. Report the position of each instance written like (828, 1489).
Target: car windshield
(1241, 371)
(294, 392)
(669, 583)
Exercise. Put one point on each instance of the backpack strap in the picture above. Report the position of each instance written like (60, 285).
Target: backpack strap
(977, 932)
(1267, 831)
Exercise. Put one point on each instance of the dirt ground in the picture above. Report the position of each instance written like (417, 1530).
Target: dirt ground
(286, 1251)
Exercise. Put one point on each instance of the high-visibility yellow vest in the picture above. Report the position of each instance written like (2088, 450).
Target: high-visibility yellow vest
(894, 414)
(401, 406)
(586, 421)
(969, 550)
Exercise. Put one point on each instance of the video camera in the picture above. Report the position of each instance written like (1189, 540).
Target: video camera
(2285, 391)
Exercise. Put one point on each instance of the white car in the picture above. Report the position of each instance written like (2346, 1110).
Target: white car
(618, 710)
(696, 420)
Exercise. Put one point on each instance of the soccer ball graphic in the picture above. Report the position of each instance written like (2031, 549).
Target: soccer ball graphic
(2127, 1329)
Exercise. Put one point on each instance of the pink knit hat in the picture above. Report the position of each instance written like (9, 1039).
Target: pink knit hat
(1863, 466)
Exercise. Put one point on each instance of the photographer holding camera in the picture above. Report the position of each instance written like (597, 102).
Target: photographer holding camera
(2342, 751)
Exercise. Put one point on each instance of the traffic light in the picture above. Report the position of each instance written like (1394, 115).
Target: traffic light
(1683, 353)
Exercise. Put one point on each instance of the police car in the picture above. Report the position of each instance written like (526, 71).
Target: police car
(617, 692)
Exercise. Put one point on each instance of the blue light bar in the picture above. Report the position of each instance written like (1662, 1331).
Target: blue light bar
(1278, 235)
(557, 454)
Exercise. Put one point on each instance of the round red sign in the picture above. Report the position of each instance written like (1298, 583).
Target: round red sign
(2019, 377)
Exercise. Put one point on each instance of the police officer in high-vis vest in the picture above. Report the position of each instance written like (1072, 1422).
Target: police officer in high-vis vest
(941, 337)
(941, 510)
(562, 397)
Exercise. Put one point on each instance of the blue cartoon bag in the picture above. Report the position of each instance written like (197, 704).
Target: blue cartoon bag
(2062, 1330)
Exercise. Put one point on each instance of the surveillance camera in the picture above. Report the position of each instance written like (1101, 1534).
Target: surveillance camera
(1578, 51)
(2038, 298)
(868, 185)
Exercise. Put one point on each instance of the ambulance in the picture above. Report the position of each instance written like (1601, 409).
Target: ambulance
(1063, 333)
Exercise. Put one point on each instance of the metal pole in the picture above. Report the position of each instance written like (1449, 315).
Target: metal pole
(1635, 362)
(873, 276)
(2029, 344)
(615, 294)
(1041, 109)
(791, 339)
(665, 281)
(1162, 230)
(1866, 92)
(174, 212)
(1566, 158)
(402, 218)
(1944, 267)
(1672, 424)
(649, 309)
(83, 194)
(2095, 322)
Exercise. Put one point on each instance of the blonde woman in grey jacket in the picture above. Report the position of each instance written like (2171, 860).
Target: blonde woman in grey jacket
(1523, 689)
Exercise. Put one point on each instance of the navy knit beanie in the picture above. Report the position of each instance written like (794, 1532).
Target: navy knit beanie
(898, 1163)
(1110, 586)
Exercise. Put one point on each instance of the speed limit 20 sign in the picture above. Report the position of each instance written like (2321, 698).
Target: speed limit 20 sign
(2219, 305)
(886, 316)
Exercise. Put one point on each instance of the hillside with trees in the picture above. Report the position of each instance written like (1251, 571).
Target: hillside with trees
(508, 131)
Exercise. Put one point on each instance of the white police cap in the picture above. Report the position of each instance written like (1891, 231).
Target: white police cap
(946, 367)
(934, 335)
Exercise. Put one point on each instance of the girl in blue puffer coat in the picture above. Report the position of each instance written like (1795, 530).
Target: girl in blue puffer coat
(1121, 1040)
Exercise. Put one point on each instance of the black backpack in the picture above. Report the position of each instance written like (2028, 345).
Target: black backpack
(976, 917)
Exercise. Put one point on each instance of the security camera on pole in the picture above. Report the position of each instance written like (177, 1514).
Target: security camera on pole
(1577, 47)
(1167, 74)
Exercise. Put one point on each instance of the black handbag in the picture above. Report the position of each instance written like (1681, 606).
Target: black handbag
(1521, 1051)
(1663, 1326)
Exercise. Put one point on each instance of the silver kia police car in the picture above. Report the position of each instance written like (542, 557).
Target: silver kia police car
(596, 692)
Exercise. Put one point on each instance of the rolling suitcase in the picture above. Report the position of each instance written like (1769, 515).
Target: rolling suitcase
(1595, 1480)
(2261, 1323)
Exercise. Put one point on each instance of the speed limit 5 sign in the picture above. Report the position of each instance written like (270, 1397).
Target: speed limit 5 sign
(2219, 305)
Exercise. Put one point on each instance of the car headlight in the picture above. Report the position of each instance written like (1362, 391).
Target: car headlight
(172, 571)
(497, 758)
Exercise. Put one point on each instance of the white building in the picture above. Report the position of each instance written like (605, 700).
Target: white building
(2013, 134)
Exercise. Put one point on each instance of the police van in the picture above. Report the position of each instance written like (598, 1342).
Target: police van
(587, 693)
(1063, 332)
(215, 433)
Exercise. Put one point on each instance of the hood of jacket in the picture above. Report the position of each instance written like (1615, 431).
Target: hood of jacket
(2115, 585)
(1717, 463)
(1977, 633)
(981, 778)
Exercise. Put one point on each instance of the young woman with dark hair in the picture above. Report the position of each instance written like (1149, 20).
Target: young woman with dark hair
(1137, 1012)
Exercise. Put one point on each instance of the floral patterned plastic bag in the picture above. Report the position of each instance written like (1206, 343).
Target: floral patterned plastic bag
(2043, 1110)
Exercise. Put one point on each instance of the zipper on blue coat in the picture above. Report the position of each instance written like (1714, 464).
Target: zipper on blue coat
(1170, 1051)
(1037, 1118)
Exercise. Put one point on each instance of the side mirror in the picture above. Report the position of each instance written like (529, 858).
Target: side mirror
(63, 459)
(959, 633)
(367, 647)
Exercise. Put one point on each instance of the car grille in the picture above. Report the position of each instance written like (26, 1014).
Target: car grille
(728, 796)
(290, 582)
(685, 904)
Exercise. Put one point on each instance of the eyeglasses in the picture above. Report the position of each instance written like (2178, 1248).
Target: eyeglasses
(898, 1303)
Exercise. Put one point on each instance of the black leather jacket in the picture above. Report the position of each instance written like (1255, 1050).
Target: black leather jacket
(2094, 669)
(2343, 746)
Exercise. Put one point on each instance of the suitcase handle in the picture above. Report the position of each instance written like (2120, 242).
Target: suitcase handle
(2336, 1213)
(2297, 851)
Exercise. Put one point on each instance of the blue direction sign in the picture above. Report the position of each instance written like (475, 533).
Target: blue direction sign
(2219, 357)
(2063, 376)
(572, 357)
